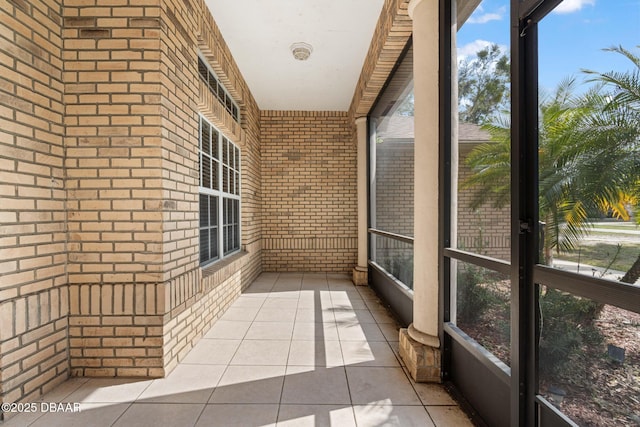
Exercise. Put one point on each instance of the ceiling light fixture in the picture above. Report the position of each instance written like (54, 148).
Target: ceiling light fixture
(301, 51)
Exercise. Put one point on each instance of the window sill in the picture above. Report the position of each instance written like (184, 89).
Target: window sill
(223, 264)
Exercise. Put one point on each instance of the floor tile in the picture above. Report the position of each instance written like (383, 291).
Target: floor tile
(186, 384)
(355, 316)
(276, 315)
(391, 331)
(315, 353)
(250, 384)
(364, 385)
(228, 329)
(316, 416)
(63, 390)
(232, 415)
(449, 416)
(382, 316)
(315, 315)
(109, 390)
(348, 331)
(363, 353)
(433, 394)
(270, 331)
(160, 414)
(89, 414)
(307, 385)
(279, 303)
(245, 301)
(315, 331)
(378, 415)
(212, 351)
(246, 314)
(262, 352)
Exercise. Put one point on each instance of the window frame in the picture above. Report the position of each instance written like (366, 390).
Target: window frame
(213, 81)
(222, 196)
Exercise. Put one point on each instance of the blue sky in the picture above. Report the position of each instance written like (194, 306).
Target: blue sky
(570, 38)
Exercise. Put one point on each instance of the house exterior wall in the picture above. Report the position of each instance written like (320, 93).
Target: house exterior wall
(309, 191)
(33, 258)
(99, 264)
(485, 229)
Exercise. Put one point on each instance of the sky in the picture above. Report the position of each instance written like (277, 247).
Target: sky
(570, 38)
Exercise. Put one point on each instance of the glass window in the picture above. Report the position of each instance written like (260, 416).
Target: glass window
(391, 126)
(217, 89)
(219, 207)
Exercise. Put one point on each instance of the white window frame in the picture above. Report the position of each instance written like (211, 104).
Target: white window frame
(219, 84)
(234, 194)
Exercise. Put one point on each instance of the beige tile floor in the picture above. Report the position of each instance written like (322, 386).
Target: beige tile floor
(294, 350)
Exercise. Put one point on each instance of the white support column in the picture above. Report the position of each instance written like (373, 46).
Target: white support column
(360, 272)
(420, 343)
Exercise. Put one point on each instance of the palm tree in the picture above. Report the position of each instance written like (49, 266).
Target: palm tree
(623, 105)
(580, 175)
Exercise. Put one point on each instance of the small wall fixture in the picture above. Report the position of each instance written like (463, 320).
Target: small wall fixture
(301, 51)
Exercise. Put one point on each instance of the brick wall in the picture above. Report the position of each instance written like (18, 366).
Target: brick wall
(33, 298)
(487, 229)
(394, 187)
(309, 191)
(99, 270)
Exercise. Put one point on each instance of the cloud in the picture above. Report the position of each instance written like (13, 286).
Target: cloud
(487, 17)
(570, 6)
(470, 49)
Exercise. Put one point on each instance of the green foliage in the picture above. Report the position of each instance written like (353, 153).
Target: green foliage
(588, 157)
(473, 298)
(566, 326)
(483, 85)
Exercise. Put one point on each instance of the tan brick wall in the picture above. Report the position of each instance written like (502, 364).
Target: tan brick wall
(309, 191)
(394, 187)
(33, 298)
(487, 229)
(99, 272)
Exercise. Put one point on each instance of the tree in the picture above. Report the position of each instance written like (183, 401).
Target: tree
(584, 166)
(483, 85)
(623, 103)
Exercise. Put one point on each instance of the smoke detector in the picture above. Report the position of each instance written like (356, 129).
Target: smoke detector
(301, 51)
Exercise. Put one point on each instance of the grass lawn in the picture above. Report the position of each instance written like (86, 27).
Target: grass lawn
(624, 226)
(599, 254)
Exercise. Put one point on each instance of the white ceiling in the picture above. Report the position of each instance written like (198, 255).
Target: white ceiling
(259, 33)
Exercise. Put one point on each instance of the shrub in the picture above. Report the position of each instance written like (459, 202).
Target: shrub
(566, 325)
(473, 299)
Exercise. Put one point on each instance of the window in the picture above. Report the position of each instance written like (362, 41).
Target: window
(216, 88)
(219, 195)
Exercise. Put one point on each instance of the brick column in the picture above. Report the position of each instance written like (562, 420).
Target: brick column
(419, 344)
(360, 272)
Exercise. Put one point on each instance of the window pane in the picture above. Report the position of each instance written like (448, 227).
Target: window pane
(589, 141)
(225, 151)
(482, 307)
(225, 179)
(202, 69)
(213, 211)
(395, 257)
(214, 143)
(212, 84)
(204, 210)
(206, 171)
(237, 189)
(204, 245)
(220, 93)
(481, 132)
(392, 153)
(589, 359)
(205, 136)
